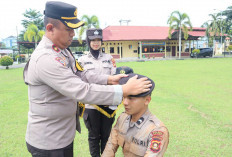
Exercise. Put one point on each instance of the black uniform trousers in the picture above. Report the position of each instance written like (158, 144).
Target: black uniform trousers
(99, 128)
(63, 152)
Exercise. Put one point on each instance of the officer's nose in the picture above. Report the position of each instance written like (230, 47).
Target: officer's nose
(72, 33)
(125, 101)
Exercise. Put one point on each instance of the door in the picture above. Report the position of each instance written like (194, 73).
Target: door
(173, 50)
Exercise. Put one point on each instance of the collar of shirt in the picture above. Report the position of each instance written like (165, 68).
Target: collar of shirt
(141, 121)
(90, 55)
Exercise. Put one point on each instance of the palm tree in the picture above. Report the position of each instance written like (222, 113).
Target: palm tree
(214, 26)
(181, 22)
(33, 34)
(89, 23)
(207, 31)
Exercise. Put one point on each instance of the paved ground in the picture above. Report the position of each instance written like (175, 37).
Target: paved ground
(133, 59)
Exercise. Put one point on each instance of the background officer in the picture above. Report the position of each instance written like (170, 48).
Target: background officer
(137, 131)
(55, 85)
(98, 118)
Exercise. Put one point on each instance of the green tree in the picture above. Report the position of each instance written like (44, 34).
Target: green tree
(90, 22)
(207, 31)
(33, 16)
(33, 34)
(179, 22)
(214, 27)
(6, 61)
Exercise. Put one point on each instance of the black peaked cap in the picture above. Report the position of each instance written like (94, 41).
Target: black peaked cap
(125, 79)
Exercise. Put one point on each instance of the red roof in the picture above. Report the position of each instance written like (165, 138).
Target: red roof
(114, 33)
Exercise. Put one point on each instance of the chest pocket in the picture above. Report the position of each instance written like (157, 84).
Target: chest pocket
(106, 68)
(89, 67)
(137, 149)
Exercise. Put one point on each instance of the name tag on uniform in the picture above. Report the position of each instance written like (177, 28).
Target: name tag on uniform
(106, 61)
(88, 63)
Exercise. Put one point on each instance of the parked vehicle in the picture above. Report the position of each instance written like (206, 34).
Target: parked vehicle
(203, 53)
(77, 55)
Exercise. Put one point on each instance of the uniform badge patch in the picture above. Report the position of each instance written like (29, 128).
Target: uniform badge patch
(155, 145)
(157, 135)
(60, 60)
(55, 48)
(113, 62)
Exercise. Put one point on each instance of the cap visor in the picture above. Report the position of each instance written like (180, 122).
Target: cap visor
(75, 23)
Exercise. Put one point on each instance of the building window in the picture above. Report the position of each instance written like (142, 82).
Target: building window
(118, 49)
(130, 46)
(111, 49)
(103, 49)
(168, 48)
(153, 49)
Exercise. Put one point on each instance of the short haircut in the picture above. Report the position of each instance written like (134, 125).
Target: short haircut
(48, 20)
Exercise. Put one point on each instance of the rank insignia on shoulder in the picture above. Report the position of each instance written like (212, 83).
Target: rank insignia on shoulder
(60, 60)
(55, 48)
(113, 62)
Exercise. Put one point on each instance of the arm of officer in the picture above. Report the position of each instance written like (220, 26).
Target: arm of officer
(158, 144)
(89, 76)
(112, 143)
(61, 78)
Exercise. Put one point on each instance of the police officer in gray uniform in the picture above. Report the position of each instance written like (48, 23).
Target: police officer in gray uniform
(55, 84)
(137, 131)
(98, 118)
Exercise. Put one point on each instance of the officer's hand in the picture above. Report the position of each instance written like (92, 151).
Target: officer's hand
(136, 86)
(113, 80)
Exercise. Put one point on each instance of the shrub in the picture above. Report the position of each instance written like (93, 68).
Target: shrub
(6, 61)
(196, 51)
(229, 48)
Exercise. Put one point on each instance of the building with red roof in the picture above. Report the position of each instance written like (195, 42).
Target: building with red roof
(152, 41)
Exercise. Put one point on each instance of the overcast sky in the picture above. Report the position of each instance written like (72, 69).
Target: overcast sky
(109, 12)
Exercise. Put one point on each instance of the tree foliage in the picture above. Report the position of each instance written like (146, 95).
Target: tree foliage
(179, 21)
(33, 34)
(33, 16)
(90, 22)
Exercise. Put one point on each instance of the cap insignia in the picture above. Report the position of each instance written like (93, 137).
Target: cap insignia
(96, 33)
(122, 72)
(75, 12)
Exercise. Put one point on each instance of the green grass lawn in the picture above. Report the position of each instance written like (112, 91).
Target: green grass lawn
(192, 97)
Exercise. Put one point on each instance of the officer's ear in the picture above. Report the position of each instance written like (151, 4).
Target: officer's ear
(147, 99)
(49, 27)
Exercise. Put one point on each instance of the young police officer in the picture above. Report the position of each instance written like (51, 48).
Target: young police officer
(55, 85)
(137, 131)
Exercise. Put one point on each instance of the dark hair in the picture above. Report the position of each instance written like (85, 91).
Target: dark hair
(48, 20)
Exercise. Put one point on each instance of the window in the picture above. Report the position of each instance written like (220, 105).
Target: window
(111, 49)
(103, 49)
(130, 46)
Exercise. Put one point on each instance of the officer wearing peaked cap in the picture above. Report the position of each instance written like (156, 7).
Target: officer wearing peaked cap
(137, 131)
(56, 82)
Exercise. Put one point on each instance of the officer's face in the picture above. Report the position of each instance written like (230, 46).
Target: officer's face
(136, 105)
(62, 36)
(95, 44)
